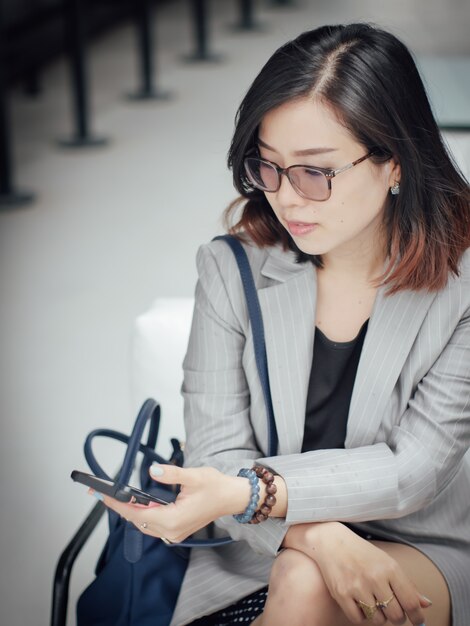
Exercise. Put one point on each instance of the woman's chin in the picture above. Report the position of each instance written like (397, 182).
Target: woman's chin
(308, 247)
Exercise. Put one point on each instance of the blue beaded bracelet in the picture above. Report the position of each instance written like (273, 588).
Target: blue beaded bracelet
(246, 516)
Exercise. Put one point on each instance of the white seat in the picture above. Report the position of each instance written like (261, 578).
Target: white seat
(158, 348)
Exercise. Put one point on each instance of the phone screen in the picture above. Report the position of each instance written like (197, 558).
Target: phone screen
(123, 493)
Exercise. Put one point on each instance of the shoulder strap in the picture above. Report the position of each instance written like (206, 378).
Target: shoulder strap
(257, 328)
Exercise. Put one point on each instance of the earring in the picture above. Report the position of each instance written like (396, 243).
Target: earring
(395, 190)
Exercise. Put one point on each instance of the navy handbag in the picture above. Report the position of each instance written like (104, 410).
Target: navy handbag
(138, 577)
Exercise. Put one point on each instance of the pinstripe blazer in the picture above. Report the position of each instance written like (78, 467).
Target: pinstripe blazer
(403, 472)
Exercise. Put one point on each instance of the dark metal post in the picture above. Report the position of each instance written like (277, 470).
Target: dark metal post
(282, 3)
(200, 19)
(9, 197)
(247, 20)
(146, 47)
(75, 36)
(60, 589)
(32, 86)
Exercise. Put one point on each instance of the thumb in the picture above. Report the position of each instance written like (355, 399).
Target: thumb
(168, 474)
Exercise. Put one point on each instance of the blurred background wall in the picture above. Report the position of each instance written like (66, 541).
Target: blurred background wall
(113, 226)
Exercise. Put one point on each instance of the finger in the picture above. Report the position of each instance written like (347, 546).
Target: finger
(368, 611)
(379, 618)
(352, 610)
(146, 507)
(172, 474)
(130, 512)
(124, 509)
(146, 528)
(95, 494)
(112, 502)
(409, 599)
(109, 502)
(389, 606)
(424, 602)
(143, 517)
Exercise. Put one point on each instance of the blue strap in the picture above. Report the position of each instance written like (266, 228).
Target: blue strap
(204, 543)
(257, 328)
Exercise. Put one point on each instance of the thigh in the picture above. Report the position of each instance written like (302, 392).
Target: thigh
(427, 578)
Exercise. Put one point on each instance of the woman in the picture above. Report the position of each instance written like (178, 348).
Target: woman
(357, 227)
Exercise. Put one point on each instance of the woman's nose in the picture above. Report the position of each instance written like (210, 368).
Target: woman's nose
(287, 195)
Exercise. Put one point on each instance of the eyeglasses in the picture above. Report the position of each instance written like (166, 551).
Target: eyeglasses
(312, 183)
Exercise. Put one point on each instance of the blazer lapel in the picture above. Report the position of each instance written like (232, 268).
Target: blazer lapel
(288, 309)
(394, 324)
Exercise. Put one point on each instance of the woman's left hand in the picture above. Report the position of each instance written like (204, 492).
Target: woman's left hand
(356, 572)
(206, 494)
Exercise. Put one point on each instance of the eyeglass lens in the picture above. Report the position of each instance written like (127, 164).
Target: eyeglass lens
(310, 183)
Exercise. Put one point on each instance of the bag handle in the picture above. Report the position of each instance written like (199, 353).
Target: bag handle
(150, 410)
(96, 468)
(257, 328)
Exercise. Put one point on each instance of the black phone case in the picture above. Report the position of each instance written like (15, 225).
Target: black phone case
(123, 493)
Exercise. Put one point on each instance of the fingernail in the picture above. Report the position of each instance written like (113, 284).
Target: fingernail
(98, 496)
(426, 600)
(156, 470)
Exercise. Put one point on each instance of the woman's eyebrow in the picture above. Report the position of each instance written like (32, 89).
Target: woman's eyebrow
(306, 152)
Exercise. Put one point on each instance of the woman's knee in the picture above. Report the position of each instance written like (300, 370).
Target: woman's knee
(295, 573)
(298, 592)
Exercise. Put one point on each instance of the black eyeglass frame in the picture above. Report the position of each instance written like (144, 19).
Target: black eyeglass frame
(328, 173)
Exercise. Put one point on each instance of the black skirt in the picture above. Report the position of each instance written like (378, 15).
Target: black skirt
(244, 611)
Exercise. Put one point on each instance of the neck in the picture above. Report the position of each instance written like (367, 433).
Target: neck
(365, 264)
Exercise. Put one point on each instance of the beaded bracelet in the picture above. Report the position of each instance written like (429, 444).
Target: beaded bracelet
(247, 515)
(270, 500)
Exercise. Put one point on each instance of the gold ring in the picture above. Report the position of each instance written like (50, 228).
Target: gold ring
(144, 525)
(368, 609)
(383, 604)
(165, 540)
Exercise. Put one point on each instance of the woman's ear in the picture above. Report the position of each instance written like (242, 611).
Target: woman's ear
(394, 175)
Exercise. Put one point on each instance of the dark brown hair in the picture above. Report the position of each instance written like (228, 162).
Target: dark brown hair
(370, 80)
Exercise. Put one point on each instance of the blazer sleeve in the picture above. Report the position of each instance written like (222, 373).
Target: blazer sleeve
(215, 390)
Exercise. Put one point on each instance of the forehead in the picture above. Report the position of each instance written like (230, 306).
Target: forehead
(304, 124)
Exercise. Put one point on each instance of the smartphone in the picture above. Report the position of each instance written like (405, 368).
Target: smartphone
(123, 493)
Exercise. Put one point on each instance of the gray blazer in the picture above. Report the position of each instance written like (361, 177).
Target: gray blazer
(403, 473)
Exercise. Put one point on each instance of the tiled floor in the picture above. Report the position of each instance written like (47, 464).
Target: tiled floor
(114, 227)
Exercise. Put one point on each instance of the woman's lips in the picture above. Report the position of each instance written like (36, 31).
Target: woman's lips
(300, 228)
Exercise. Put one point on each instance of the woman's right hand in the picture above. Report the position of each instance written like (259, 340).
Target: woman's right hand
(206, 494)
(356, 571)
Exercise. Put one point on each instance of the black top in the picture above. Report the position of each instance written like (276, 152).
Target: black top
(334, 368)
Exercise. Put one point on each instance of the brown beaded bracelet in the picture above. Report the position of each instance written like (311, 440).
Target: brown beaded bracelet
(270, 500)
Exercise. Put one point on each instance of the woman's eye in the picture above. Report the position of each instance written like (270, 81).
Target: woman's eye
(312, 173)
